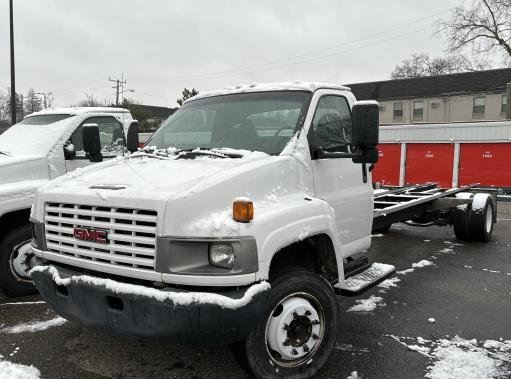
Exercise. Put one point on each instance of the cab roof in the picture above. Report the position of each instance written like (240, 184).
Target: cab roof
(267, 87)
(79, 110)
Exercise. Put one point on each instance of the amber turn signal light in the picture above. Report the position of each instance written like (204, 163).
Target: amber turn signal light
(242, 210)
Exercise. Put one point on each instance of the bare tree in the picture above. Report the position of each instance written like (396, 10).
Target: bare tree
(92, 101)
(480, 26)
(423, 65)
(32, 102)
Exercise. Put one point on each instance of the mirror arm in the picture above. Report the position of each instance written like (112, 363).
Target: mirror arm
(321, 154)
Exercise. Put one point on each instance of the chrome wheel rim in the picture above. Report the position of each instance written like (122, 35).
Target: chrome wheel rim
(18, 261)
(295, 330)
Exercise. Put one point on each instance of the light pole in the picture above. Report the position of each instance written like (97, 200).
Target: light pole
(13, 76)
(123, 91)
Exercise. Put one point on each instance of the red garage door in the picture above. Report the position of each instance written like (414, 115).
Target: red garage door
(485, 163)
(429, 162)
(386, 170)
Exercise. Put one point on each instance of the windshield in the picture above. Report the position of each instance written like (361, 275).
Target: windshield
(262, 121)
(44, 119)
(33, 139)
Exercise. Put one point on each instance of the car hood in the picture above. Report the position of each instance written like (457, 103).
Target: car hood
(18, 168)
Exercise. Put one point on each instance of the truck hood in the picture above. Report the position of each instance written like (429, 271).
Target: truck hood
(141, 177)
(19, 168)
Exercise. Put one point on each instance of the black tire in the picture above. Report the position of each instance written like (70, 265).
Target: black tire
(481, 217)
(11, 283)
(461, 223)
(254, 353)
(461, 218)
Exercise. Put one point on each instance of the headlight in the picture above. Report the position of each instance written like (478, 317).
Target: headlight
(221, 255)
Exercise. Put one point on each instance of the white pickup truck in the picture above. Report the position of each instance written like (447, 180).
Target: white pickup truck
(235, 224)
(43, 146)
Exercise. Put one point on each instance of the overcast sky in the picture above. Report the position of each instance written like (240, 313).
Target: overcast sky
(71, 47)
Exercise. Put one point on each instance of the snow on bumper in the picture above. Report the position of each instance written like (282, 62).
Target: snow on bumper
(191, 318)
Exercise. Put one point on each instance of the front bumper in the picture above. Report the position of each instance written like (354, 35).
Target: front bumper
(190, 318)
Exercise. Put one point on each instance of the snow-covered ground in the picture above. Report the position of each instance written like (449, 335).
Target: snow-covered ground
(459, 358)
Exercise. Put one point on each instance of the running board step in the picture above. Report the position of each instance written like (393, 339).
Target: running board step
(365, 279)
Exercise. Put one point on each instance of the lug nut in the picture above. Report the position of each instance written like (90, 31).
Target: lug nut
(315, 336)
(286, 342)
(285, 327)
(294, 352)
(306, 348)
(315, 322)
(295, 315)
(307, 313)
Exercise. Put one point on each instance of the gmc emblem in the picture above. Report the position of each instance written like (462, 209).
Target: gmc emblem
(92, 235)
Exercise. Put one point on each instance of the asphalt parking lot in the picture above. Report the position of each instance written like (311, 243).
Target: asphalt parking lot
(464, 291)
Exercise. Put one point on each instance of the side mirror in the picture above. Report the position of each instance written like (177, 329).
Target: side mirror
(92, 142)
(132, 140)
(365, 131)
(366, 119)
(69, 151)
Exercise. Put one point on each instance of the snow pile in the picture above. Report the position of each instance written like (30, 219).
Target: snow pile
(431, 320)
(389, 283)
(178, 298)
(460, 358)
(420, 264)
(16, 371)
(353, 375)
(367, 305)
(423, 263)
(34, 326)
(217, 224)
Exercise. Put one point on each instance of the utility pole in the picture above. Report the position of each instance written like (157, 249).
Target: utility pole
(118, 84)
(13, 76)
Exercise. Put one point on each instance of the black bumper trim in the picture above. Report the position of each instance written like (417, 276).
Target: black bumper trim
(97, 305)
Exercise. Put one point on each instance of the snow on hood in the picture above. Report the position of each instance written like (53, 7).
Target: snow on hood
(33, 140)
(144, 176)
(14, 169)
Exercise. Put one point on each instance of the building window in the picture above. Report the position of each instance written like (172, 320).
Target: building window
(418, 110)
(478, 107)
(503, 106)
(398, 111)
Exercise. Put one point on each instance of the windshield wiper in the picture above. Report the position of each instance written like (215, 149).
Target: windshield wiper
(192, 153)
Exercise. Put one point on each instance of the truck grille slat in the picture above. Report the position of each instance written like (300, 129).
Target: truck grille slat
(131, 234)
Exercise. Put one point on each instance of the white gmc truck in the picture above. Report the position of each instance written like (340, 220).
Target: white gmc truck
(43, 146)
(237, 223)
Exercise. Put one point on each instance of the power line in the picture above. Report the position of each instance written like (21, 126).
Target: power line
(220, 74)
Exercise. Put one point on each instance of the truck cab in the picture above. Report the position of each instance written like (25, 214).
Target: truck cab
(44, 146)
(232, 225)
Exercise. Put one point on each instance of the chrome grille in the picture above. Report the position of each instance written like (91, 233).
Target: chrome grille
(131, 234)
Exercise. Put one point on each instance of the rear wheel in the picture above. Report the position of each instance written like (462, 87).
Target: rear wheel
(14, 257)
(482, 214)
(461, 218)
(298, 332)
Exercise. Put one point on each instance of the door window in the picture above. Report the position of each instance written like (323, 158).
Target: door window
(111, 135)
(331, 126)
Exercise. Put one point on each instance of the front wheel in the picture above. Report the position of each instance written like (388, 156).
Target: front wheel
(14, 257)
(298, 332)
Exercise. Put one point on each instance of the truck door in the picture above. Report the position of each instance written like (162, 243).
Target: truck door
(338, 180)
(112, 138)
